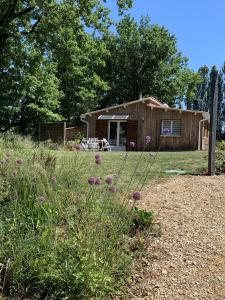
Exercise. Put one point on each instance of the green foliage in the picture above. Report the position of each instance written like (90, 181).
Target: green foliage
(220, 158)
(49, 63)
(187, 85)
(221, 145)
(142, 219)
(143, 59)
(60, 238)
(201, 99)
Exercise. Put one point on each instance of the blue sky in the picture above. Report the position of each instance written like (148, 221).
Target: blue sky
(199, 26)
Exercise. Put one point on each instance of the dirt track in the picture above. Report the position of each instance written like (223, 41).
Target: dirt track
(188, 260)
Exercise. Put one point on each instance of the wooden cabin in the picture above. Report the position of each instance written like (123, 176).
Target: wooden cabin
(133, 121)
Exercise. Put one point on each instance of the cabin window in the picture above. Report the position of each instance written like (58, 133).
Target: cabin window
(171, 127)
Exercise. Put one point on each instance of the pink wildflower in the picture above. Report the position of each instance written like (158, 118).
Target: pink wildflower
(166, 131)
(97, 181)
(77, 147)
(92, 180)
(98, 161)
(148, 139)
(132, 144)
(109, 180)
(136, 195)
(112, 189)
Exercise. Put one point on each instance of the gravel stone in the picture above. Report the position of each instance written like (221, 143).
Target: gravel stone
(188, 260)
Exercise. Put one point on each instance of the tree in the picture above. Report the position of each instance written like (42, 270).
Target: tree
(79, 57)
(201, 99)
(143, 60)
(24, 16)
(30, 91)
(221, 105)
(187, 83)
(48, 62)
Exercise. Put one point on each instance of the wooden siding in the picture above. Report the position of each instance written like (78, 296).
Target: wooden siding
(132, 136)
(101, 129)
(149, 123)
(72, 132)
(52, 131)
(58, 133)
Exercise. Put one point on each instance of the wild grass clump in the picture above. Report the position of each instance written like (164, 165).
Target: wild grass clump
(9, 140)
(64, 235)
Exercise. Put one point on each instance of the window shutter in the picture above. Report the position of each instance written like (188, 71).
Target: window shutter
(174, 127)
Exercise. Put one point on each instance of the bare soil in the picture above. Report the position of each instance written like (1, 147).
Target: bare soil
(188, 260)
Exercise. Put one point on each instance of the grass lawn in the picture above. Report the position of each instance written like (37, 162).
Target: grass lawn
(191, 161)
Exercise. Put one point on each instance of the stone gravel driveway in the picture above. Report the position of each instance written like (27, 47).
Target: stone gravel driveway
(188, 260)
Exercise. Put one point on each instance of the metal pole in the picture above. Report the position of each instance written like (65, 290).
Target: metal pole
(213, 124)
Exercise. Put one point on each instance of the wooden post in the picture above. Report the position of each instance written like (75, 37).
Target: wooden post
(213, 124)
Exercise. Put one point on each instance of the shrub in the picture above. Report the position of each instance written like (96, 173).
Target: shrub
(221, 145)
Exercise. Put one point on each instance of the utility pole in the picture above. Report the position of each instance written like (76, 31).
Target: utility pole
(213, 123)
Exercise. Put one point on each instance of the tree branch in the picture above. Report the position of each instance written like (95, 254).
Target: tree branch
(9, 12)
(23, 12)
(33, 27)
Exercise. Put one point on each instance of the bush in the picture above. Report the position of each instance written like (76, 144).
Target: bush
(221, 145)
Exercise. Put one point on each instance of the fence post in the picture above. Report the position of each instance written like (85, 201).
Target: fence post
(213, 124)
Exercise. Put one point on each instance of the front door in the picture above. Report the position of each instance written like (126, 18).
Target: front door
(117, 132)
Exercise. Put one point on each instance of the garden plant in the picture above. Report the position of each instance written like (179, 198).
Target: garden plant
(66, 227)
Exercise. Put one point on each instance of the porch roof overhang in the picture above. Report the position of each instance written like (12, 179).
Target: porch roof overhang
(113, 117)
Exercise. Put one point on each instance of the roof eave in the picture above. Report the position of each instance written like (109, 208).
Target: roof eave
(117, 106)
(176, 109)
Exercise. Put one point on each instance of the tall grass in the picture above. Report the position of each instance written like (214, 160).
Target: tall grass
(60, 237)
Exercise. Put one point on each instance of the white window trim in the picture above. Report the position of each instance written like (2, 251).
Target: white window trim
(171, 128)
(113, 117)
(118, 127)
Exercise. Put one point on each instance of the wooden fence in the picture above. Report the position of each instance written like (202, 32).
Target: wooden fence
(59, 133)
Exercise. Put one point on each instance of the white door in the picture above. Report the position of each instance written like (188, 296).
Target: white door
(117, 131)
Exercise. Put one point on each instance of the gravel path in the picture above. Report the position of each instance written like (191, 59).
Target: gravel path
(188, 260)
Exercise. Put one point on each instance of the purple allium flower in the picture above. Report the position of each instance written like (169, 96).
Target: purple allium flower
(112, 189)
(136, 196)
(97, 181)
(98, 161)
(166, 131)
(148, 139)
(14, 173)
(19, 161)
(42, 199)
(109, 180)
(53, 180)
(92, 180)
(132, 144)
(77, 147)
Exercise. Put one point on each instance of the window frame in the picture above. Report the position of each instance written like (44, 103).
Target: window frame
(171, 128)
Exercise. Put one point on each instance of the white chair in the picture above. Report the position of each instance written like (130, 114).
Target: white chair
(106, 145)
(84, 146)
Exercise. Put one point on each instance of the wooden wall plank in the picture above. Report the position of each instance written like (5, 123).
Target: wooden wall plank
(149, 123)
